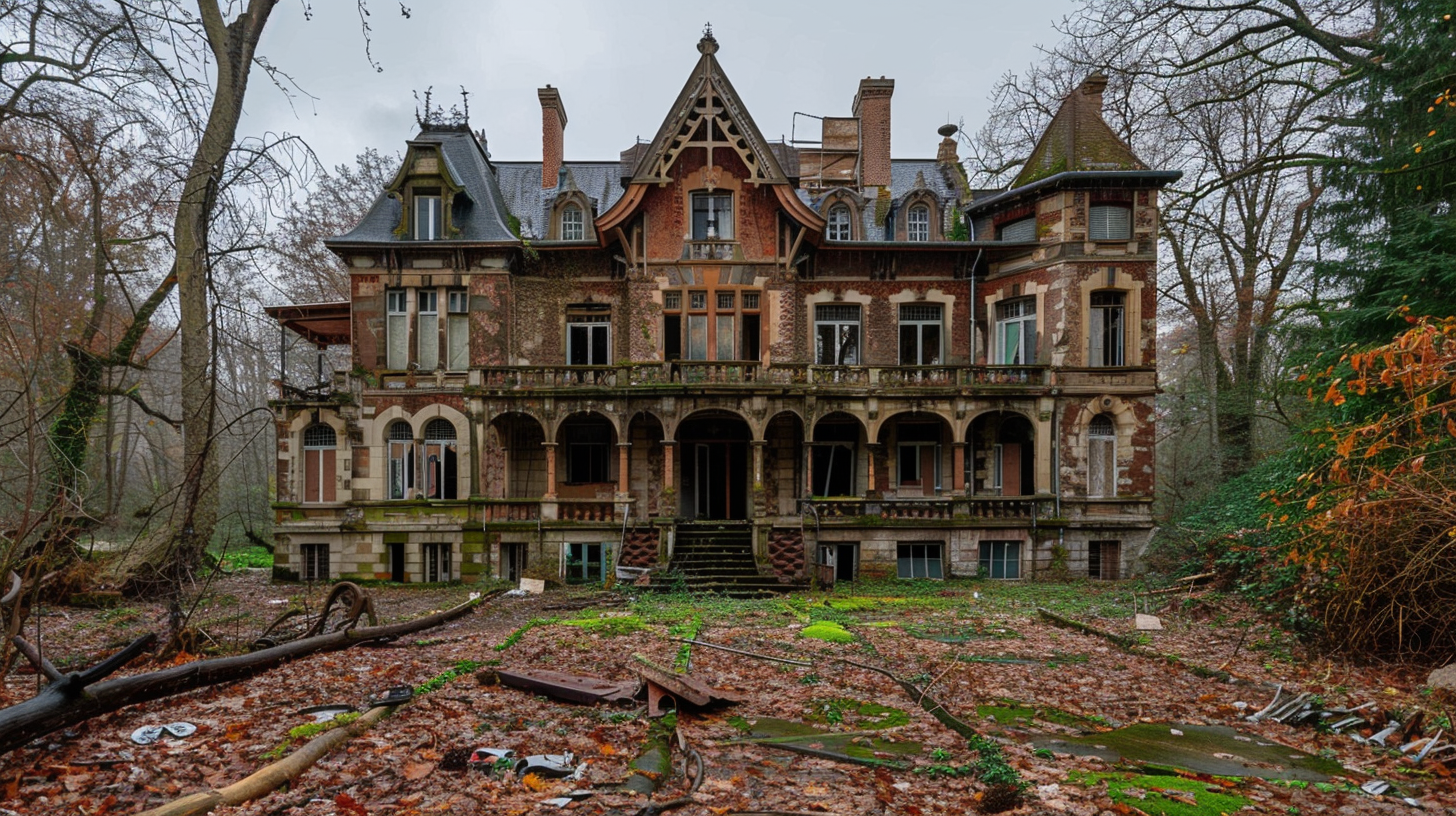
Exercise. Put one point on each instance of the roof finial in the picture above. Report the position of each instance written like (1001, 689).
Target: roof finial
(707, 45)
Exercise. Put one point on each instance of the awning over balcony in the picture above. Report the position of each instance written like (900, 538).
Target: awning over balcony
(323, 324)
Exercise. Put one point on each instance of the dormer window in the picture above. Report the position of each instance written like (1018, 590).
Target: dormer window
(917, 226)
(572, 225)
(712, 216)
(429, 219)
(839, 227)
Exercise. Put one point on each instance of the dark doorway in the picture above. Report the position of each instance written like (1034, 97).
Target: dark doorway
(839, 561)
(513, 561)
(714, 467)
(835, 456)
(396, 563)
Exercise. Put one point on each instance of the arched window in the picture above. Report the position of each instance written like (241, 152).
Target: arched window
(441, 471)
(1101, 457)
(319, 458)
(572, 224)
(401, 460)
(917, 226)
(839, 228)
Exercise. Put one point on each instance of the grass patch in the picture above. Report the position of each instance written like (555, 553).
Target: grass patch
(686, 631)
(1010, 712)
(308, 731)
(252, 557)
(609, 626)
(515, 637)
(828, 631)
(438, 682)
(856, 714)
(1164, 795)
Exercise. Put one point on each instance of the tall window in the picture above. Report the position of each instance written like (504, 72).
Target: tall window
(588, 451)
(441, 472)
(838, 229)
(917, 225)
(703, 324)
(428, 223)
(1109, 222)
(1105, 346)
(712, 216)
(918, 456)
(572, 225)
(436, 558)
(427, 329)
(396, 328)
(918, 561)
(401, 460)
(319, 458)
(921, 328)
(588, 335)
(1016, 332)
(1001, 559)
(457, 330)
(836, 331)
(1101, 457)
(315, 562)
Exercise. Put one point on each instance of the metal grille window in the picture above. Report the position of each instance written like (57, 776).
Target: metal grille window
(1016, 332)
(1022, 230)
(1105, 346)
(671, 301)
(401, 473)
(921, 328)
(572, 224)
(589, 338)
(396, 320)
(918, 561)
(750, 301)
(839, 226)
(1101, 457)
(1001, 559)
(712, 216)
(437, 558)
(917, 225)
(315, 562)
(319, 437)
(837, 332)
(457, 331)
(427, 329)
(1109, 222)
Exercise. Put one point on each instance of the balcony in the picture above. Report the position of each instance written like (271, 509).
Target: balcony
(711, 251)
(1016, 509)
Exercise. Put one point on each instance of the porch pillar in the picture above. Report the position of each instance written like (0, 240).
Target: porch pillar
(870, 492)
(624, 451)
(550, 470)
(808, 471)
(669, 470)
(958, 467)
(759, 497)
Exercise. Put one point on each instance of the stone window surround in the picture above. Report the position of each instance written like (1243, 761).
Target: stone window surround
(379, 445)
(856, 218)
(1124, 423)
(902, 215)
(710, 180)
(1029, 289)
(1132, 318)
(295, 455)
(588, 220)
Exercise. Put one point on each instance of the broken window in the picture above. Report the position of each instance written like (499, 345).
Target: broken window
(1105, 346)
(917, 225)
(427, 329)
(1109, 222)
(396, 328)
(1104, 560)
(836, 328)
(921, 329)
(918, 561)
(441, 471)
(586, 563)
(401, 460)
(1016, 332)
(319, 457)
(712, 216)
(436, 557)
(1001, 559)
(1101, 457)
(315, 566)
(839, 225)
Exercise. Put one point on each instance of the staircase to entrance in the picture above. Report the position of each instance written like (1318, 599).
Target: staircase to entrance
(718, 557)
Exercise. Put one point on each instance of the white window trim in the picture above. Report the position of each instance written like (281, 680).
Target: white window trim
(920, 231)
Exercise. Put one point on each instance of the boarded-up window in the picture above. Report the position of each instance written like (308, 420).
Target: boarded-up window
(1022, 230)
(319, 457)
(1109, 222)
(1101, 457)
(396, 327)
(315, 566)
(457, 331)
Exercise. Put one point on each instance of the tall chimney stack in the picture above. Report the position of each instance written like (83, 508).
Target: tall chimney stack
(553, 129)
(872, 106)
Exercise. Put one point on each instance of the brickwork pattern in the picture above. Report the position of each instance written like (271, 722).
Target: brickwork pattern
(640, 548)
(786, 554)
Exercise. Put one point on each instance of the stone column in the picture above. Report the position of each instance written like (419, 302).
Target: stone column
(669, 471)
(624, 455)
(870, 491)
(550, 470)
(759, 494)
(808, 471)
(958, 465)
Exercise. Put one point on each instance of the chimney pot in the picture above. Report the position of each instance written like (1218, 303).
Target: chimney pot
(553, 130)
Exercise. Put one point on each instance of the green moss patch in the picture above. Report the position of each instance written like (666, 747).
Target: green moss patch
(856, 714)
(828, 630)
(851, 747)
(1164, 795)
(608, 626)
(1010, 712)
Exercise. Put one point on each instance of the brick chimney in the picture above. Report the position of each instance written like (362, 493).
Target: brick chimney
(1092, 87)
(553, 128)
(872, 106)
(946, 153)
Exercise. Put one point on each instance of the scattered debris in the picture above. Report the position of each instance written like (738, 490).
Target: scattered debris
(1365, 724)
(551, 766)
(347, 598)
(533, 586)
(856, 747)
(1216, 750)
(148, 734)
(392, 696)
(664, 684)
(573, 688)
(566, 799)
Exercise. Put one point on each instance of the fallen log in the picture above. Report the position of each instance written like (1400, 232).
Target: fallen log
(1130, 645)
(79, 697)
(272, 777)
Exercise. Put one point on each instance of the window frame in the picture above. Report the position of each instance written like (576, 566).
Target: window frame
(427, 328)
(437, 562)
(1026, 351)
(314, 562)
(917, 231)
(442, 461)
(400, 454)
(457, 329)
(593, 327)
(396, 329)
(1099, 219)
(923, 328)
(842, 230)
(712, 222)
(856, 324)
(592, 454)
(991, 555)
(320, 465)
(1102, 481)
(912, 553)
(433, 227)
(573, 223)
(727, 320)
(1107, 329)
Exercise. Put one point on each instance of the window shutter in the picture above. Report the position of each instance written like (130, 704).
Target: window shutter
(1109, 223)
(1023, 230)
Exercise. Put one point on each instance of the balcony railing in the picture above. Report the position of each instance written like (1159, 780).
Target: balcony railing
(944, 508)
(743, 372)
(710, 250)
(501, 510)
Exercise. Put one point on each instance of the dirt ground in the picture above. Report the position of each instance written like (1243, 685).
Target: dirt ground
(979, 646)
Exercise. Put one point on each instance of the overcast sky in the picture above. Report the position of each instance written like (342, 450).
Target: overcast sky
(619, 70)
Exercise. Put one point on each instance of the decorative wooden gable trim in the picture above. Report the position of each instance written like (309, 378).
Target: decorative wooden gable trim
(709, 114)
(425, 165)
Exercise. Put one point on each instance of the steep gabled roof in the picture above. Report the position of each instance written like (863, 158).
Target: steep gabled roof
(708, 109)
(1079, 139)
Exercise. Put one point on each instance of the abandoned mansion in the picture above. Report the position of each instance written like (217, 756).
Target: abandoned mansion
(752, 363)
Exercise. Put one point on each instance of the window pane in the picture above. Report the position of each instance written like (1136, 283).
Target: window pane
(725, 338)
(458, 330)
(750, 300)
(930, 344)
(429, 334)
(672, 301)
(725, 301)
(909, 344)
(712, 216)
(601, 345)
(1023, 230)
(825, 351)
(1108, 223)
(697, 337)
(849, 344)
(672, 337)
(749, 346)
(397, 343)
(697, 300)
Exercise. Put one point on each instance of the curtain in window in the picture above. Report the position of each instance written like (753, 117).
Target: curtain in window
(1101, 457)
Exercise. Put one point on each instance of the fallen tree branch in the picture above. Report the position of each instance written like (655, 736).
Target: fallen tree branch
(74, 700)
(805, 663)
(1130, 645)
(272, 777)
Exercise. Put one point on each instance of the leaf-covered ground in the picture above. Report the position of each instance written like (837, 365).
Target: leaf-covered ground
(979, 647)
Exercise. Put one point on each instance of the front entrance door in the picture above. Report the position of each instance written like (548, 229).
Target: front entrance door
(714, 466)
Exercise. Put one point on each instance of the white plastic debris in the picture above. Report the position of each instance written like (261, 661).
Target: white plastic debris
(1147, 622)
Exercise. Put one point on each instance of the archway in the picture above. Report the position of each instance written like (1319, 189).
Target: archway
(515, 464)
(920, 446)
(834, 455)
(715, 473)
(587, 456)
(1004, 443)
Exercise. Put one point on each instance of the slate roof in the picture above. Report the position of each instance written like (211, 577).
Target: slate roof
(903, 173)
(520, 185)
(1078, 139)
(481, 214)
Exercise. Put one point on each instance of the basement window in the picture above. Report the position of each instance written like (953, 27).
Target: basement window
(918, 561)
